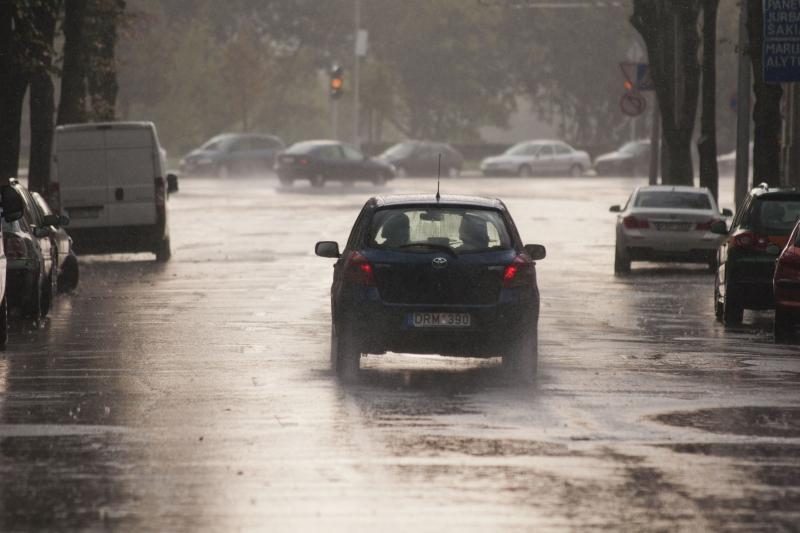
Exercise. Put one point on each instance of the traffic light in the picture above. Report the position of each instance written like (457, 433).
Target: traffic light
(337, 82)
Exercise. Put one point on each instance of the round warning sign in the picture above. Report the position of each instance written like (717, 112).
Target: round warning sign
(633, 104)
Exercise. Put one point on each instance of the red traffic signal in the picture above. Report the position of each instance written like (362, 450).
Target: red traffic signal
(336, 82)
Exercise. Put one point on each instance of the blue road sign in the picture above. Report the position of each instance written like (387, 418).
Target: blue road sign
(781, 41)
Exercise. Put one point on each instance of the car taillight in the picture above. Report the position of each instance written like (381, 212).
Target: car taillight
(519, 273)
(631, 222)
(359, 271)
(14, 246)
(161, 192)
(705, 226)
(788, 266)
(747, 240)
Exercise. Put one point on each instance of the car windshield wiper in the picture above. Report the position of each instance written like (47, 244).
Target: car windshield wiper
(434, 246)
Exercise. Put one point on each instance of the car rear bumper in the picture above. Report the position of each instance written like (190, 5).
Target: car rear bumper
(382, 327)
(787, 293)
(117, 239)
(749, 282)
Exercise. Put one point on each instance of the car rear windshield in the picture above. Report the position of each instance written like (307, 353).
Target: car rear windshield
(775, 215)
(672, 199)
(423, 228)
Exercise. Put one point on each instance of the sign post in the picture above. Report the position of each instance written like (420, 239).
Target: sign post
(633, 103)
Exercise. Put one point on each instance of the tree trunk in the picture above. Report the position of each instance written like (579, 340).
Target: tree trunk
(669, 30)
(8, 159)
(707, 144)
(42, 94)
(767, 120)
(72, 104)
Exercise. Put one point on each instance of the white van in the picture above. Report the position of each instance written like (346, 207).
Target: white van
(110, 179)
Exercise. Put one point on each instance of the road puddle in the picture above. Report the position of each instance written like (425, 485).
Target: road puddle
(750, 420)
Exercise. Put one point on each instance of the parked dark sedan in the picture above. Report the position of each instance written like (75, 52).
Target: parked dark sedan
(632, 159)
(67, 268)
(421, 274)
(12, 210)
(233, 153)
(421, 158)
(31, 268)
(322, 161)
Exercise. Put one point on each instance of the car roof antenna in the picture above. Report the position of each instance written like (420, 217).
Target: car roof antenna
(438, 177)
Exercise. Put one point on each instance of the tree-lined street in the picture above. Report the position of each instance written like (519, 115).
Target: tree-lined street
(197, 394)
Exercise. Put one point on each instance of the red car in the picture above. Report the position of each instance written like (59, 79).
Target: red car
(786, 285)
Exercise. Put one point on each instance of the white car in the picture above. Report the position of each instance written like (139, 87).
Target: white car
(538, 157)
(667, 223)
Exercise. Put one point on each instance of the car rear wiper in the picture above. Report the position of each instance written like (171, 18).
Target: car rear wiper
(435, 246)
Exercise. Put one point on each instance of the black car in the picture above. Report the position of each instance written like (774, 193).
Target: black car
(747, 256)
(421, 158)
(32, 258)
(632, 159)
(12, 210)
(67, 268)
(322, 161)
(233, 153)
(421, 274)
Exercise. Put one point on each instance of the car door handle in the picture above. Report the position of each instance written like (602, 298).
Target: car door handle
(119, 194)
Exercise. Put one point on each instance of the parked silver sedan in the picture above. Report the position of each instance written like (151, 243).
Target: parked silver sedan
(547, 158)
(667, 223)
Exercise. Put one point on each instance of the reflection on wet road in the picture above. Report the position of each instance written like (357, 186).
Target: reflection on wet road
(196, 395)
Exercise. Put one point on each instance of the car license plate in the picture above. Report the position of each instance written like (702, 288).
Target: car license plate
(440, 320)
(672, 226)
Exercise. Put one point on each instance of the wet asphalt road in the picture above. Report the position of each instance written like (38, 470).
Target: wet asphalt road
(196, 395)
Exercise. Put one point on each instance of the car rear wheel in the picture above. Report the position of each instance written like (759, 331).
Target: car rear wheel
(318, 180)
(33, 308)
(784, 325)
(622, 261)
(345, 354)
(3, 323)
(522, 360)
(576, 171)
(164, 251)
(717, 298)
(732, 310)
(68, 280)
(525, 171)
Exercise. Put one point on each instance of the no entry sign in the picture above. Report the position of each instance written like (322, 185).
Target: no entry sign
(781, 41)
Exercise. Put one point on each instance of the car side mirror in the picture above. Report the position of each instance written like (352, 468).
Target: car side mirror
(63, 221)
(12, 204)
(719, 227)
(172, 183)
(51, 220)
(536, 251)
(327, 249)
(615, 209)
(42, 232)
(727, 212)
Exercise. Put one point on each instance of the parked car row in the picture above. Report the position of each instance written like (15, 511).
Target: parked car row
(756, 261)
(39, 258)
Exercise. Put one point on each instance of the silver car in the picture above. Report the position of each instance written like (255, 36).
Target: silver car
(537, 157)
(667, 223)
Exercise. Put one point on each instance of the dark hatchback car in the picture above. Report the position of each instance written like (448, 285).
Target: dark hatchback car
(421, 158)
(32, 258)
(631, 159)
(233, 153)
(746, 258)
(421, 275)
(323, 161)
